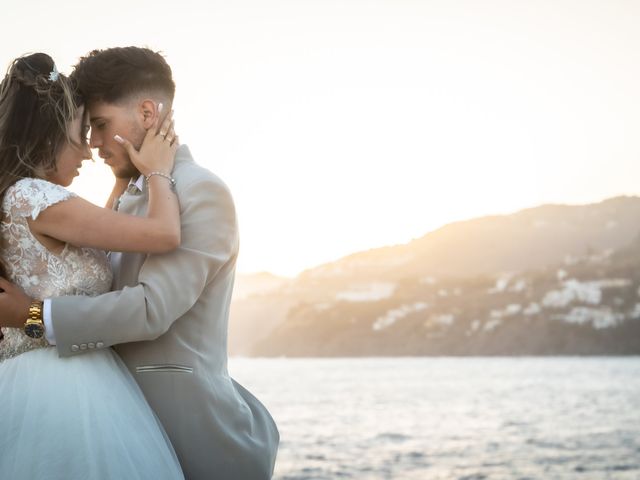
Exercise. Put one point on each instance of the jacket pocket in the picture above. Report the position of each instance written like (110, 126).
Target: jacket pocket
(167, 367)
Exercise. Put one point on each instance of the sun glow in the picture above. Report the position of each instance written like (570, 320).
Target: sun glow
(341, 126)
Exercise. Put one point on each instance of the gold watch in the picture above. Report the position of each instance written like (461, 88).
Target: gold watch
(34, 326)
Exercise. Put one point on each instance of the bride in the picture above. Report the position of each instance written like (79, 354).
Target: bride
(81, 417)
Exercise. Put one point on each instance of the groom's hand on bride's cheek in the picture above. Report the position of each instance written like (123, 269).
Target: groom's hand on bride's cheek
(14, 305)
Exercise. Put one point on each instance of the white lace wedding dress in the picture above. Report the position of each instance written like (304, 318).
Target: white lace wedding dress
(76, 418)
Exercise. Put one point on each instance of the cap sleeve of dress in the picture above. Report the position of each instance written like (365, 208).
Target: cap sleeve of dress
(29, 197)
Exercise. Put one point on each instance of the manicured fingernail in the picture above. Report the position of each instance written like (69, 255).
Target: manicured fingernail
(118, 138)
(160, 106)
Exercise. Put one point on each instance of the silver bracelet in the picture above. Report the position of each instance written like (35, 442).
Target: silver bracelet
(172, 180)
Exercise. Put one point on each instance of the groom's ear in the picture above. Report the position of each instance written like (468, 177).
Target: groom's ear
(148, 112)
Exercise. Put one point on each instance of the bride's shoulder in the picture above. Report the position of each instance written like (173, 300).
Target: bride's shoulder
(30, 196)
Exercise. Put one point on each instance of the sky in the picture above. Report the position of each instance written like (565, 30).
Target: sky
(345, 125)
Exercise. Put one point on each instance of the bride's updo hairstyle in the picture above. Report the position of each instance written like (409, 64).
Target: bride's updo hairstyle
(37, 104)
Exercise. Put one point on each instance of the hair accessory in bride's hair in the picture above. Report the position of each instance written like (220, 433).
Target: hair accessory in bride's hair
(53, 76)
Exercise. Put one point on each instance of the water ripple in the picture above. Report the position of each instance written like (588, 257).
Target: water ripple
(452, 419)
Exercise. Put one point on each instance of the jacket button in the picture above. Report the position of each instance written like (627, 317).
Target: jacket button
(83, 346)
(99, 344)
(75, 348)
(91, 345)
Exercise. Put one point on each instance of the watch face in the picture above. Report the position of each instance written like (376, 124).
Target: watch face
(34, 330)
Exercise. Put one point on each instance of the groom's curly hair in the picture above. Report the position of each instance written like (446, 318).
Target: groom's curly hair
(117, 74)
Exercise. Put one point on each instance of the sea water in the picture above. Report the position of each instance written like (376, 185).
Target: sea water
(451, 418)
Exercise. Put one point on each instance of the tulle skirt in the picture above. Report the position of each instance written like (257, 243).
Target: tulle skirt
(78, 418)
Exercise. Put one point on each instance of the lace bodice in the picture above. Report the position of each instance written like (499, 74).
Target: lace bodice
(39, 272)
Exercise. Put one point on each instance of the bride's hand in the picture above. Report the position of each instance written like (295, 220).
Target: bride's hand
(157, 152)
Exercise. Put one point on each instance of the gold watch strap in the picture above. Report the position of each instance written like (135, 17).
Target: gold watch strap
(35, 311)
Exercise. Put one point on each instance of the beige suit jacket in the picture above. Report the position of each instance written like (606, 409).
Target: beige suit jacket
(167, 319)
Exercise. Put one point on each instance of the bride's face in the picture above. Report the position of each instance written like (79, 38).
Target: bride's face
(70, 157)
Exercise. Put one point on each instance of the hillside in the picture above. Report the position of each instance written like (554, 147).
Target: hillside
(547, 280)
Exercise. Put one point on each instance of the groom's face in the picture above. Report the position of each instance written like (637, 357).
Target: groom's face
(109, 119)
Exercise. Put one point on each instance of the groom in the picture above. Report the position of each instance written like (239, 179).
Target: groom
(167, 316)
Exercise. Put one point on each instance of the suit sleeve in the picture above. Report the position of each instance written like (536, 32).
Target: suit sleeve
(169, 284)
